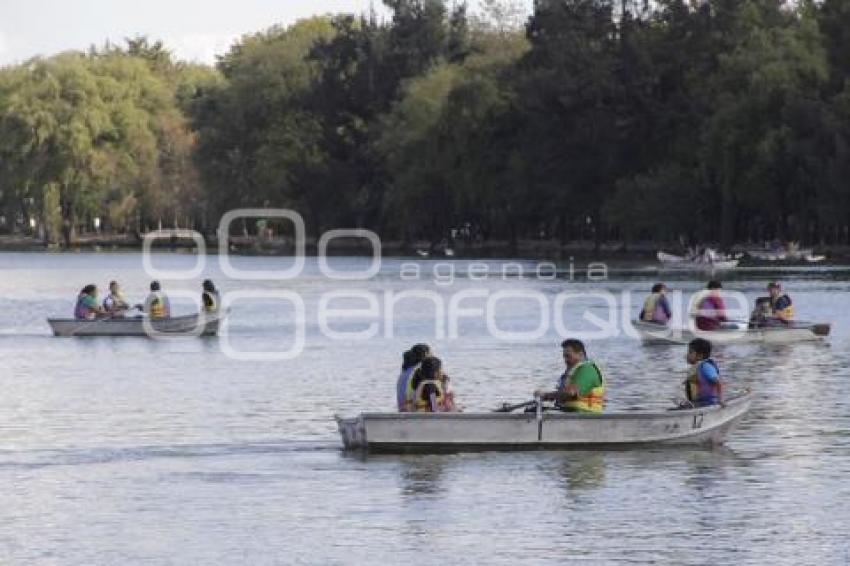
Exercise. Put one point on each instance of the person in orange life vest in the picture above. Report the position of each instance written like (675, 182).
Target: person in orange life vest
(711, 311)
(703, 386)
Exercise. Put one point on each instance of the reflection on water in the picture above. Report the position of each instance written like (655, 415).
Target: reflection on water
(125, 451)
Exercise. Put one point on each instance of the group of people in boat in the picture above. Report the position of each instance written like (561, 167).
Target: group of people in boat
(774, 310)
(423, 387)
(156, 304)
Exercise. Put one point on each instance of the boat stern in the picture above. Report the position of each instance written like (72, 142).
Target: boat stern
(352, 431)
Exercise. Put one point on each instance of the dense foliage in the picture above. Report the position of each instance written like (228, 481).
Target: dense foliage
(724, 120)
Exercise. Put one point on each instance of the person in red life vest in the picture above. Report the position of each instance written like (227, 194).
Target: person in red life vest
(711, 311)
(703, 386)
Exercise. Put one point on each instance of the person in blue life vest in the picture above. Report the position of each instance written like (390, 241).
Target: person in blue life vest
(703, 386)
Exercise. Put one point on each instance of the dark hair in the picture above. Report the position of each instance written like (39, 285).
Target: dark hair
(774, 285)
(714, 284)
(414, 356)
(658, 287)
(89, 289)
(111, 283)
(208, 285)
(430, 367)
(701, 346)
(575, 345)
(155, 286)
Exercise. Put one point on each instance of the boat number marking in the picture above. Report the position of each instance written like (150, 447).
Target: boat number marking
(698, 421)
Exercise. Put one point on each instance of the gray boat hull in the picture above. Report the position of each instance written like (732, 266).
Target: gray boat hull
(434, 432)
(658, 334)
(189, 325)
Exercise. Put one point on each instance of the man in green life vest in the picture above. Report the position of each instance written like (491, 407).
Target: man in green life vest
(581, 388)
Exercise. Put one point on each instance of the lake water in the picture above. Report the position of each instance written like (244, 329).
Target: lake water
(118, 451)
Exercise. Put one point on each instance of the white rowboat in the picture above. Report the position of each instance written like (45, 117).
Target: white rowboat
(455, 432)
(710, 262)
(190, 325)
(659, 334)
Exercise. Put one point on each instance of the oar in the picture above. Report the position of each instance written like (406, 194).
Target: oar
(508, 408)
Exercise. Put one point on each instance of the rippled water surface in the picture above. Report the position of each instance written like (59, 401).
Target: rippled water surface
(117, 451)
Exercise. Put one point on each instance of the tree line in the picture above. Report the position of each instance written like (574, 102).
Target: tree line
(713, 120)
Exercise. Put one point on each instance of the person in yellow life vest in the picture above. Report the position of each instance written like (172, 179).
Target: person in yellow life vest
(431, 388)
(656, 308)
(210, 299)
(781, 307)
(581, 388)
(157, 304)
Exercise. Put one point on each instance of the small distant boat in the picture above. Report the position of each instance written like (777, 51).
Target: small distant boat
(423, 253)
(190, 325)
(550, 430)
(651, 333)
(709, 260)
(791, 252)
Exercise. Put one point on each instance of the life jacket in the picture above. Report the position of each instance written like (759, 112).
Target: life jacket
(213, 301)
(652, 309)
(158, 305)
(712, 312)
(701, 391)
(409, 404)
(424, 405)
(782, 308)
(591, 402)
(404, 389)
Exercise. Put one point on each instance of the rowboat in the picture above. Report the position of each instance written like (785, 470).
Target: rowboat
(709, 261)
(651, 333)
(555, 430)
(201, 324)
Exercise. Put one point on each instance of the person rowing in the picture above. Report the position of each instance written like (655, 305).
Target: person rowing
(114, 303)
(774, 310)
(581, 388)
(410, 362)
(656, 307)
(87, 306)
(711, 311)
(157, 304)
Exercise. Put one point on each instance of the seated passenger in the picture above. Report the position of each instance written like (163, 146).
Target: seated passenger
(430, 383)
(703, 386)
(581, 388)
(157, 304)
(87, 307)
(210, 299)
(114, 302)
(656, 308)
(711, 311)
(781, 307)
(411, 361)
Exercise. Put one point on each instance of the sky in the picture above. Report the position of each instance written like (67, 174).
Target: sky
(195, 30)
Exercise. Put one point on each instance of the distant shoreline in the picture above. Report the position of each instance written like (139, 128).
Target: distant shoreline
(639, 253)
